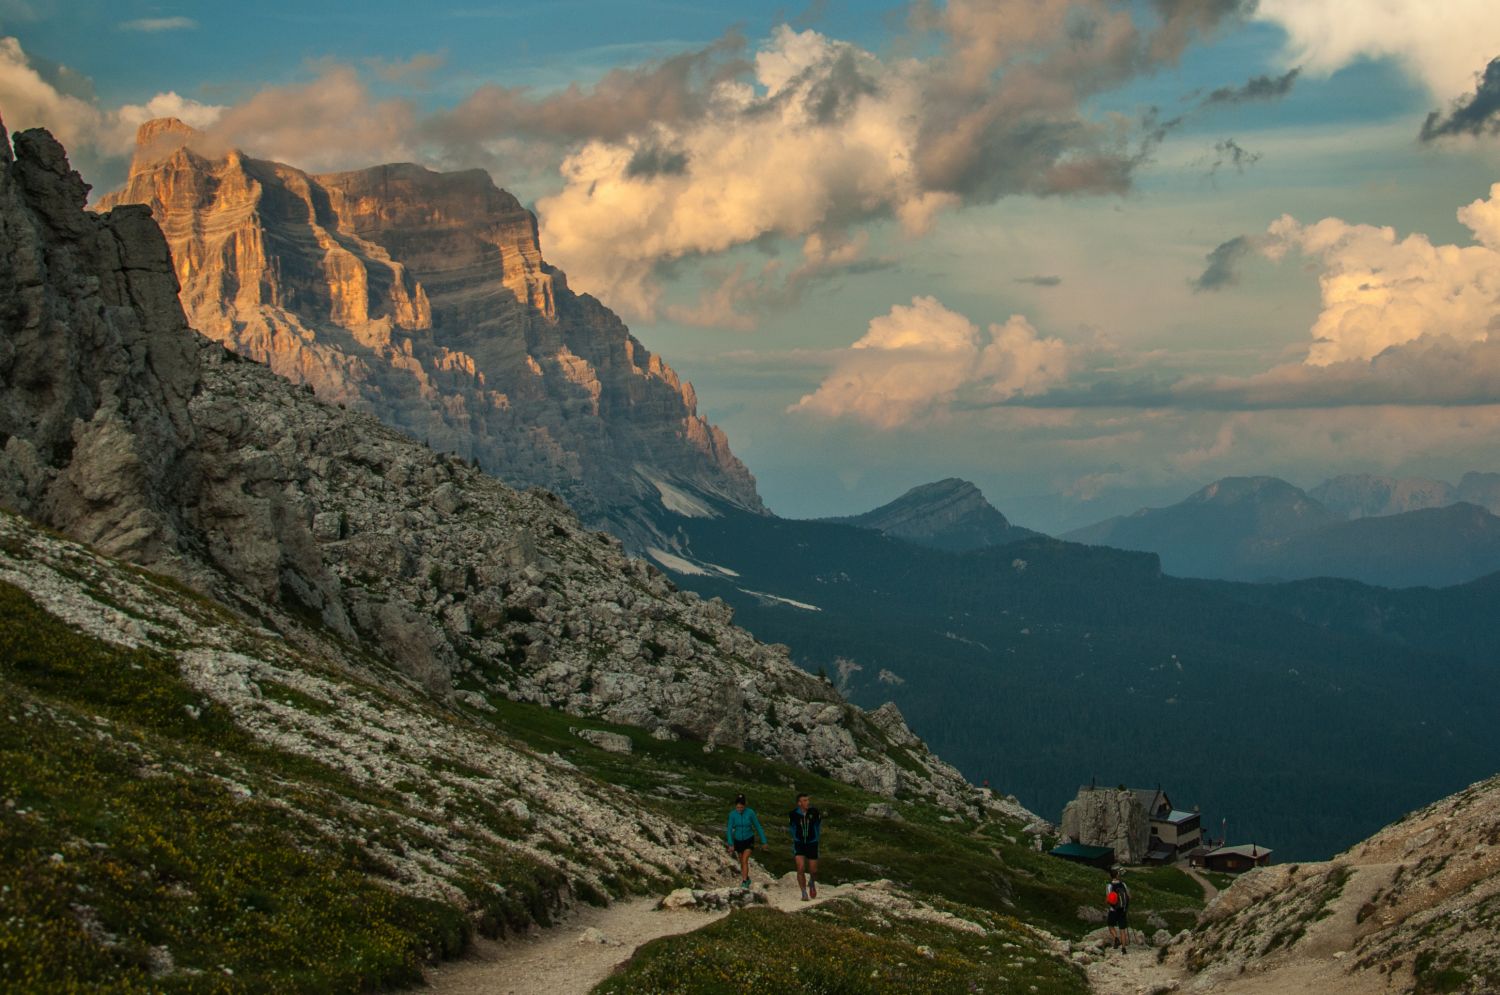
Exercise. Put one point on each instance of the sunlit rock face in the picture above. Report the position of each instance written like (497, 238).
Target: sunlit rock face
(424, 299)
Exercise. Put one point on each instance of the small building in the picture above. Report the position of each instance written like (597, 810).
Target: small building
(1173, 831)
(1081, 853)
(1236, 859)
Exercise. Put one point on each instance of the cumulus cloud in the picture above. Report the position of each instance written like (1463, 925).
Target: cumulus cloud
(1438, 44)
(919, 360)
(331, 122)
(29, 100)
(1403, 322)
(1379, 290)
(36, 94)
(1476, 113)
(820, 136)
(152, 25)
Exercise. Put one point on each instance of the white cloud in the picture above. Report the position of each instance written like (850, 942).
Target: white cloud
(1380, 291)
(29, 101)
(1441, 44)
(822, 136)
(152, 25)
(87, 130)
(758, 164)
(919, 361)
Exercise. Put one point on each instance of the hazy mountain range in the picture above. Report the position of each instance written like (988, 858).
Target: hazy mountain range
(1396, 533)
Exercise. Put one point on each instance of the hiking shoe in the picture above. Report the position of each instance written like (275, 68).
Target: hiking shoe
(745, 884)
(812, 889)
(804, 894)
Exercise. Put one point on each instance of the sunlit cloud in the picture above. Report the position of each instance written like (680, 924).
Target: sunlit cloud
(916, 362)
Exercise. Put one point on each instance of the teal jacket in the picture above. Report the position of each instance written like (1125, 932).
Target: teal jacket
(743, 826)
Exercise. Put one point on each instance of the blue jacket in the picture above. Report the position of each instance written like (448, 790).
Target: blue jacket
(743, 826)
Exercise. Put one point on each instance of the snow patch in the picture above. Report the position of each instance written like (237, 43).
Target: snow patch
(777, 599)
(675, 563)
(677, 500)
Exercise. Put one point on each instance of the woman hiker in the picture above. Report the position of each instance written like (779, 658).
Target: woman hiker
(740, 831)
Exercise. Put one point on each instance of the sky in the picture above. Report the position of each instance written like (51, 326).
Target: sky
(1090, 254)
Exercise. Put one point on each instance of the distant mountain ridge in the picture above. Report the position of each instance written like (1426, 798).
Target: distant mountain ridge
(949, 514)
(1027, 663)
(1202, 536)
(1263, 528)
(1364, 495)
(423, 298)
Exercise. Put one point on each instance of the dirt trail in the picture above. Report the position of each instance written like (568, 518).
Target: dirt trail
(570, 959)
(1209, 891)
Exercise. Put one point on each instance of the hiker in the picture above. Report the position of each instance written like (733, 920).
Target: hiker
(806, 826)
(1117, 900)
(741, 829)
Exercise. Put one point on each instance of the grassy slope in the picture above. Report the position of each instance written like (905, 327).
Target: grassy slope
(843, 947)
(989, 866)
(122, 830)
(135, 818)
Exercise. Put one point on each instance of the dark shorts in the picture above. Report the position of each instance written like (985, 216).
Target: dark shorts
(1116, 918)
(740, 846)
(808, 850)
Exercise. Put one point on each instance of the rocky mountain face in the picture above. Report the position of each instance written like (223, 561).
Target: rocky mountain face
(423, 298)
(124, 429)
(949, 514)
(1413, 908)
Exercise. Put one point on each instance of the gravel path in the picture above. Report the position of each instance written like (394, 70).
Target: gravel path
(571, 958)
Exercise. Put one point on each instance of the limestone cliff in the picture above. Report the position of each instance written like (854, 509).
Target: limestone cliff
(1112, 818)
(423, 298)
(124, 428)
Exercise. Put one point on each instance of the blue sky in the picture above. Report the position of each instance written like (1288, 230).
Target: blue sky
(1010, 213)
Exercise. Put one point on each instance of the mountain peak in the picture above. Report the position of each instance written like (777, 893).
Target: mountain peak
(1233, 490)
(422, 297)
(950, 514)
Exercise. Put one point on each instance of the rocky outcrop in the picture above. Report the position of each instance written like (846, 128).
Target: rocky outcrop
(423, 298)
(949, 514)
(1413, 908)
(125, 429)
(1109, 817)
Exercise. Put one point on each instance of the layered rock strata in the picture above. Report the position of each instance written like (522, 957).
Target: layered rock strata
(423, 298)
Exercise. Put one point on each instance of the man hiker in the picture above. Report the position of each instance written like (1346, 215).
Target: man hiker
(1117, 900)
(806, 826)
(741, 829)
